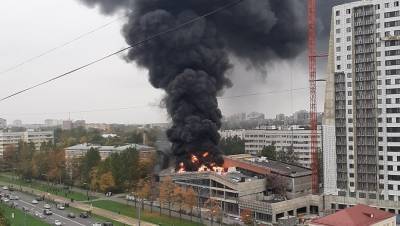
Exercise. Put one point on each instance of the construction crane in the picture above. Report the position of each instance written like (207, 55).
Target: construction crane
(312, 67)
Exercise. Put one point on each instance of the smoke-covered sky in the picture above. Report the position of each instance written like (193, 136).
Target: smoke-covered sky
(31, 27)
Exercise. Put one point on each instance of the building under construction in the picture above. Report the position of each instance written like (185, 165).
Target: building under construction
(244, 184)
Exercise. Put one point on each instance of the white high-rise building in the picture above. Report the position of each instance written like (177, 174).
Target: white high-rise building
(13, 138)
(362, 105)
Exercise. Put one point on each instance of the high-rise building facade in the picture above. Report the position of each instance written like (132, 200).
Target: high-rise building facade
(362, 102)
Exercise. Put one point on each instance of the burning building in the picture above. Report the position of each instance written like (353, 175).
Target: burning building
(244, 182)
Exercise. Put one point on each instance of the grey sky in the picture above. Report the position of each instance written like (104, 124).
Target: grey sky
(31, 27)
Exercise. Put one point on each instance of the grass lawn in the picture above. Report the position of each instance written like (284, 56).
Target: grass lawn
(97, 218)
(154, 217)
(19, 217)
(44, 187)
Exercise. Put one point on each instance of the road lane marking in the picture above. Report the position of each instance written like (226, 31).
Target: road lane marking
(57, 214)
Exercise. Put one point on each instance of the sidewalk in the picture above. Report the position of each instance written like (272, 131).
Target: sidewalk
(84, 207)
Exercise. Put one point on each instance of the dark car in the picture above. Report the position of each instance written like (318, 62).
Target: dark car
(71, 215)
(39, 198)
(84, 215)
(108, 224)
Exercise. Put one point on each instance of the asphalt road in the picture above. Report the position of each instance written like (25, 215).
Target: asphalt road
(25, 201)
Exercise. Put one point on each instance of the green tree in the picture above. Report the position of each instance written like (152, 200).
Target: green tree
(89, 161)
(288, 155)
(269, 152)
(232, 145)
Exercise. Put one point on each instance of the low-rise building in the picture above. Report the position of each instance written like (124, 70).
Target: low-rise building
(13, 138)
(243, 184)
(3, 123)
(359, 215)
(80, 150)
(233, 133)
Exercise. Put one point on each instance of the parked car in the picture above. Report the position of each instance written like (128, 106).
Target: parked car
(96, 224)
(34, 202)
(47, 212)
(14, 197)
(84, 215)
(5, 200)
(108, 224)
(39, 198)
(47, 206)
(71, 215)
(57, 223)
(11, 188)
(5, 188)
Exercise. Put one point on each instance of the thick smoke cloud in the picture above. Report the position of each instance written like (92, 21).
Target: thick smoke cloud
(191, 64)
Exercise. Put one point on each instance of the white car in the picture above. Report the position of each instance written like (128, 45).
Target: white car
(14, 197)
(5, 188)
(57, 222)
(35, 201)
(6, 200)
(60, 207)
(47, 206)
(96, 224)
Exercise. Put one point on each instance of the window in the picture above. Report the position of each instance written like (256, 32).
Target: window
(378, 54)
(338, 31)
(397, 100)
(397, 81)
(338, 40)
(348, 75)
(381, 157)
(349, 111)
(338, 67)
(388, 100)
(348, 66)
(349, 102)
(350, 120)
(351, 147)
(348, 30)
(350, 138)
(348, 38)
(377, 6)
(396, 3)
(379, 101)
(349, 57)
(352, 175)
(348, 20)
(389, 120)
(398, 158)
(386, 6)
(348, 48)
(351, 157)
(390, 168)
(348, 84)
(390, 158)
(381, 176)
(338, 58)
(379, 120)
(351, 184)
(391, 197)
(338, 49)
(351, 166)
(397, 119)
(350, 129)
(390, 186)
(349, 93)
(338, 13)
(388, 81)
(379, 82)
(379, 92)
(380, 167)
(398, 168)
(337, 22)
(348, 11)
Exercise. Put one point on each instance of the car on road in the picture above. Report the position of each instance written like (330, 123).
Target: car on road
(97, 224)
(5, 200)
(71, 215)
(14, 197)
(84, 215)
(47, 212)
(34, 202)
(47, 206)
(39, 198)
(60, 207)
(5, 188)
(57, 223)
(107, 224)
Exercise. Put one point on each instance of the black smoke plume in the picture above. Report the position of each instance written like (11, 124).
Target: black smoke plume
(191, 64)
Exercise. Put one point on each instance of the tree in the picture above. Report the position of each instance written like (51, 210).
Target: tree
(94, 180)
(190, 200)
(288, 155)
(179, 199)
(215, 209)
(167, 188)
(232, 145)
(277, 185)
(269, 152)
(89, 161)
(246, 216)
(3, 220)
(56, 165)
(106, 182)
(144, 191)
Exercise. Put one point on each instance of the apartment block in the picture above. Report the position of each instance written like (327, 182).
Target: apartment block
(13, 138)
(362, 104)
